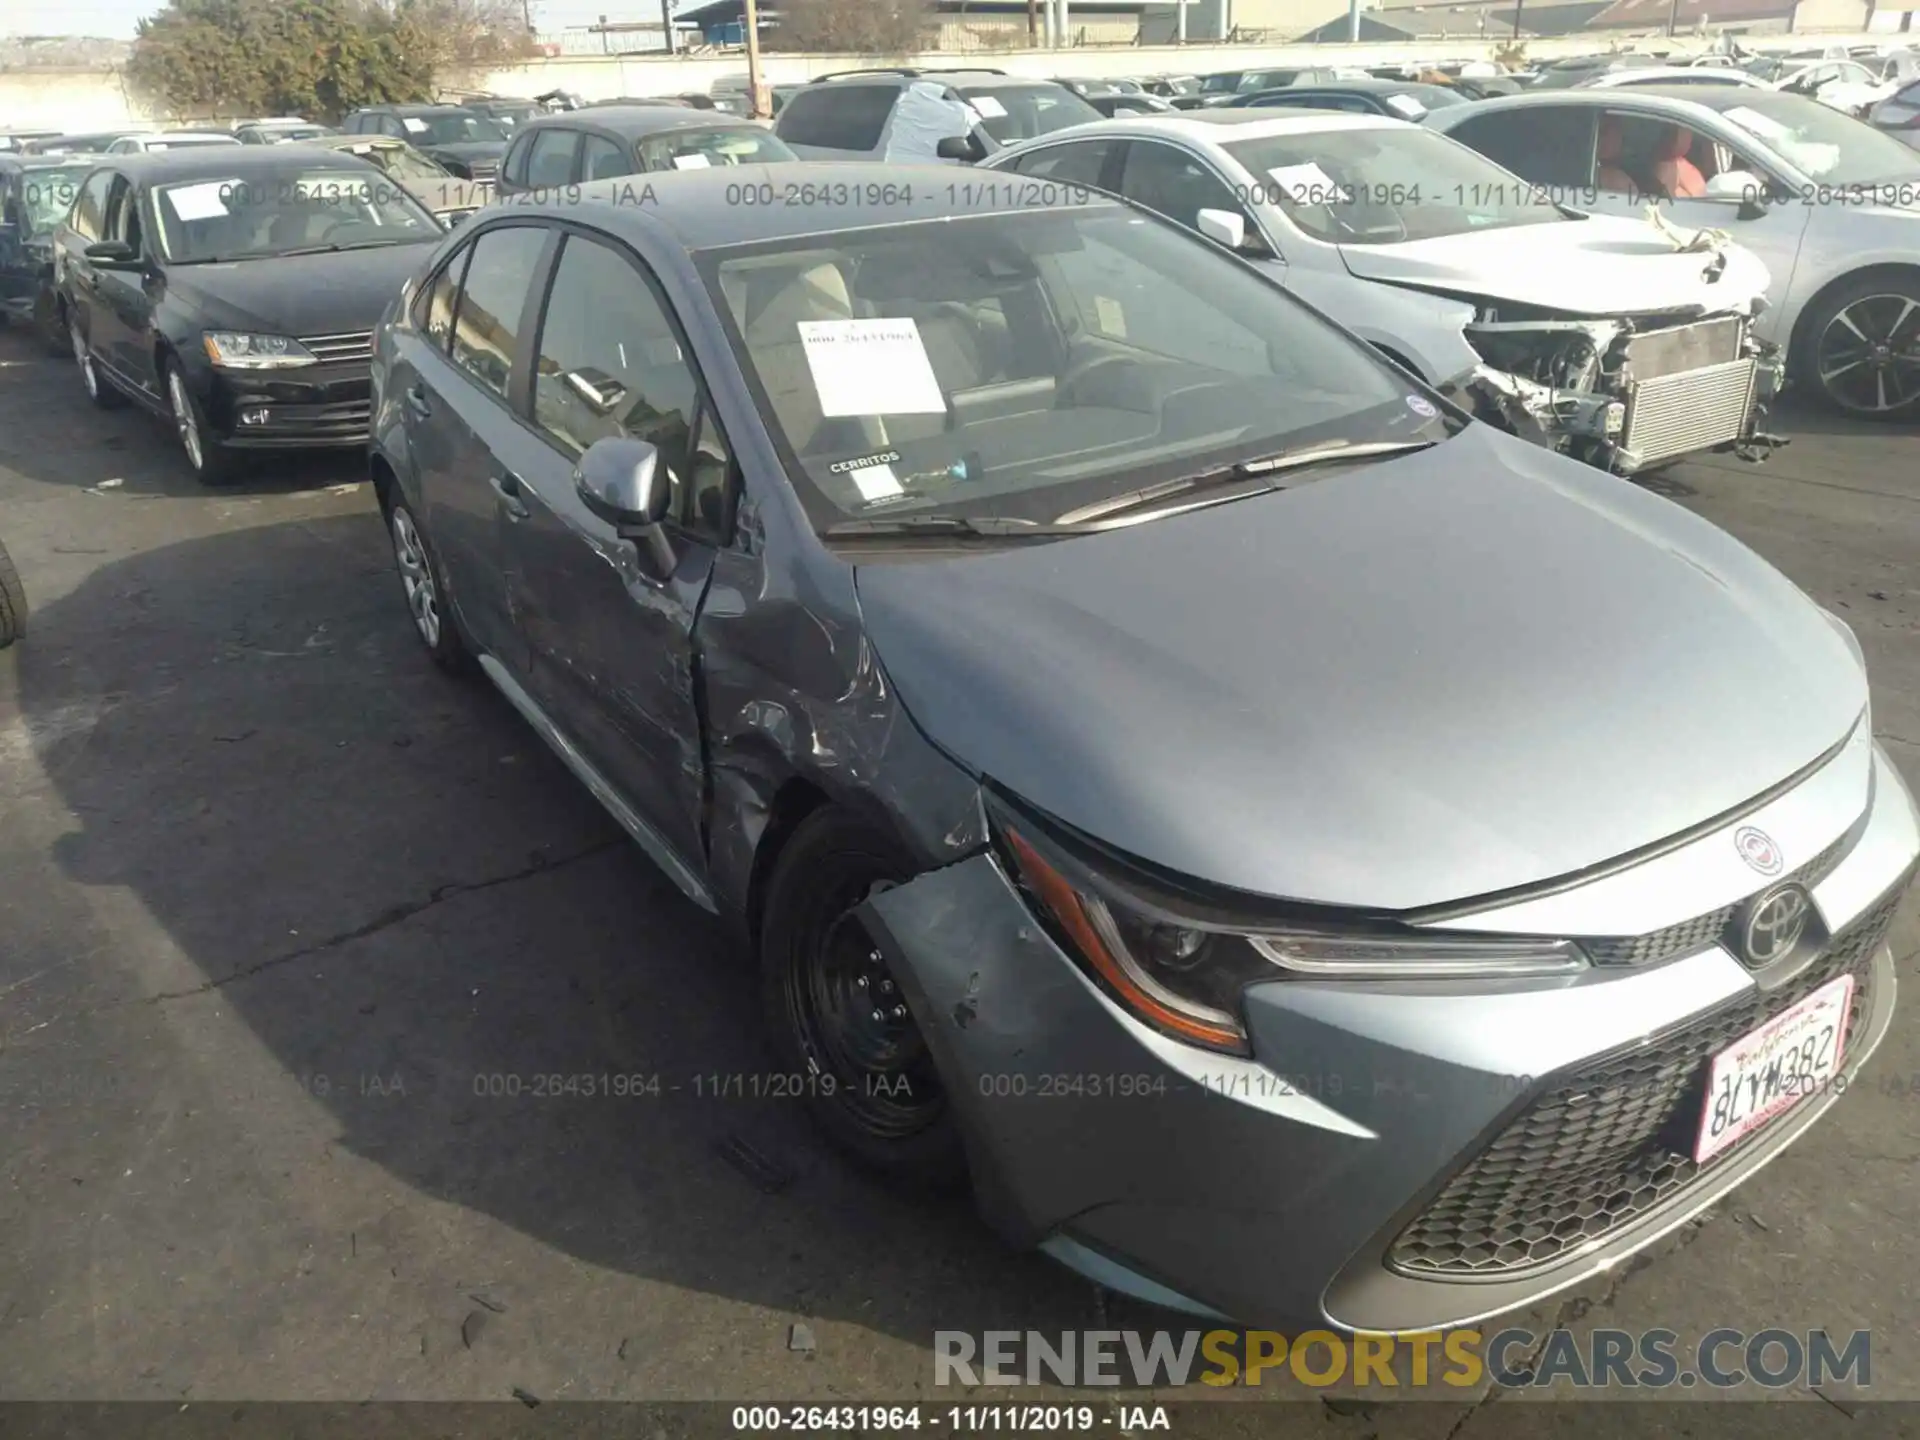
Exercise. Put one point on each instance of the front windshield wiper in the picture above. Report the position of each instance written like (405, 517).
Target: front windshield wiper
(991, 527)
(1242, 470)
(333, 249)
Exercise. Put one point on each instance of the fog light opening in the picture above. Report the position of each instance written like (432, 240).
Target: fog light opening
(255, 415)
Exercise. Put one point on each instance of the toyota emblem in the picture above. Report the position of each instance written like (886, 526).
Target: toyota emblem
(1756, 847)
(1774, 925)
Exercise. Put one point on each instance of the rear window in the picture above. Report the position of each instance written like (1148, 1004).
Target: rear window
(1010, 113)
(700, 149)
(838, 116)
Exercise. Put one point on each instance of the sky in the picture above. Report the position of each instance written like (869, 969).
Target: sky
(114, 19)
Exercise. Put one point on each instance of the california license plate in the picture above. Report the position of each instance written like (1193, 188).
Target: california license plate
(1773, 1067)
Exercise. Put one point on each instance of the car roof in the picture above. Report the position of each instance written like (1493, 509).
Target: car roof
(634, 121)
(225, 161)
(701, 209)
(1372, 85)
(1670, 99)
(424, 108)
(1252, 122)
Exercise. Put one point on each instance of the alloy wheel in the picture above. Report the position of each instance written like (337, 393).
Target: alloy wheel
(84, 360)
(1868, 358)
(423, 598)
(184, 420)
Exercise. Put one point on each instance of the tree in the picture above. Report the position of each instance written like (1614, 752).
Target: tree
(881, 28)
(220, 59)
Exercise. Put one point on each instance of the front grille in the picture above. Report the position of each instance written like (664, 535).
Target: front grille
(1610, 1141)
(1703, 930)
(1691, 410)
(483, 170)
(331, 348)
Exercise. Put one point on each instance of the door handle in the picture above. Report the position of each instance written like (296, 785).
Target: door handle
(416, 398)
(507, 486)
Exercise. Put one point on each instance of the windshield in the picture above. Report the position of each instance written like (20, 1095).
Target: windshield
(455, 127)
(231, 218)
(187, 142)
(1380, 186)
(47, 193)
(1019, 112)
(699, 148)
(1216, 84)
(1826, 146)
(1025, 364)
(284, 134)
(508, 116)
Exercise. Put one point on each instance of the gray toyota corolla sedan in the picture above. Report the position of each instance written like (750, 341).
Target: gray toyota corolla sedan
(1291, 848)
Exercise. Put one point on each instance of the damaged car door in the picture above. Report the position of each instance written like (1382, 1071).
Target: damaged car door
(610, 621)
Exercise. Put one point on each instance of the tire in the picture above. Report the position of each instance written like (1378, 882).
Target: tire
(13, 602)
(814, 957)
(46, 319)
(99, 389)
(1862, 348)
(212, 463)
(424, 584)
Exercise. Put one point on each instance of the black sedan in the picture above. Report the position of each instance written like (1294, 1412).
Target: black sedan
(35, 193)
(1397, 99)
(467, 143)
(234, 291)
(605, 142)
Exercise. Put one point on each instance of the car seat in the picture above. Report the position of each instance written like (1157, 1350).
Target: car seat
(1678, 176)
(769, 303)
(1611, 142)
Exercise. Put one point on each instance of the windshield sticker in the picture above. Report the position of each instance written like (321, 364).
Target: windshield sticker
(414, 125)
(864, 462)
(1406, 105)
(876, 482)
(201, 202)
(870, 367)
(1307, 184)
(691, 162)
(1113, 320)
(989, 107)
(1422, 407)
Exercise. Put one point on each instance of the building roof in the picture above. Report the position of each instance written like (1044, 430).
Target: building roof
(1685, 14)
(1425, 24)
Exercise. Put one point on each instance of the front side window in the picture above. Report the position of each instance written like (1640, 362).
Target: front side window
(550, 162)
(603, 160)
(700, 148)
(1011, 113)
(838, 116)
(287, 212)
(1380, 186)
(611, 363)
(1026, 364)
(1080, 162)
(433, 311)
(492, 295)
(1551, 145)
(1175, 184)
(89, 219)
(123, 216)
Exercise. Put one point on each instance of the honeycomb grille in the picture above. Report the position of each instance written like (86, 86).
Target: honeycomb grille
(1609, 1142)
(1703, 930)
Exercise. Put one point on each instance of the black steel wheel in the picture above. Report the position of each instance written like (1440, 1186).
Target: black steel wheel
(837, 1017)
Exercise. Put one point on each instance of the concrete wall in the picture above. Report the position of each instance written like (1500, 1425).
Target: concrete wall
(94, 99)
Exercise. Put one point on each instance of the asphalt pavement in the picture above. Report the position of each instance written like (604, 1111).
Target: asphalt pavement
(286, 915)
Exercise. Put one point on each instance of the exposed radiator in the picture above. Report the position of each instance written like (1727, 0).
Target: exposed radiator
(1691, 410)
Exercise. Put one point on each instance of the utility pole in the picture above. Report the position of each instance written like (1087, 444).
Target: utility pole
(751, 17)
(1180, 22)
(1353, 21)
(1518, 6)
(666, 24)
(1673, 16)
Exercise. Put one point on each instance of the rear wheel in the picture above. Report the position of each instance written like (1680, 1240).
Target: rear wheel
(426, 595)
(1863, 344)
(13, 602)
(836, 1015)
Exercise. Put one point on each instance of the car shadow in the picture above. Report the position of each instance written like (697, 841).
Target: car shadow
(382, 872)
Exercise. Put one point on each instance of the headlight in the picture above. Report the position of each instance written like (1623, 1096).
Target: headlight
(1184, 976)
(234, 351)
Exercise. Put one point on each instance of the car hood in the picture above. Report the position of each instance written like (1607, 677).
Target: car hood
(1424, 680)
(465, 150)
(335, 294)
(1623, 267)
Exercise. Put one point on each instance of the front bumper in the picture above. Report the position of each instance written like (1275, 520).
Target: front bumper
(1637, 397)
(316, 406)
(1273, 1189)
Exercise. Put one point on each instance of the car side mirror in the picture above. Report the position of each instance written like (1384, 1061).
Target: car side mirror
(964, 148)
(621, 481)
(1229, 228)
(113, 255)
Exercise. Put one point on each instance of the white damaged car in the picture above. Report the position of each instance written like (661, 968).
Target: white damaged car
(1624, 342)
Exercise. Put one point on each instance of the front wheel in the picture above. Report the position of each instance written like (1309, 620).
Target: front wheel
(426, 595)
(836, 1015)
(211, 462)
(1863, 344)
(99, 389)
(13, 602)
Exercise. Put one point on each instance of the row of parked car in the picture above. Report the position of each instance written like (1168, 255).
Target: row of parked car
(1113, 629)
